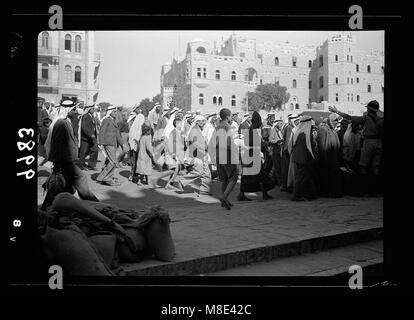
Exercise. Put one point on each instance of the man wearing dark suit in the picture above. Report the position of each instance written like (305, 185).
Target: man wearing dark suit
(109, 138)
(88, 143)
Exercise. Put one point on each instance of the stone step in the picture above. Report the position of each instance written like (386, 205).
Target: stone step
(333, 262)
(254, 253)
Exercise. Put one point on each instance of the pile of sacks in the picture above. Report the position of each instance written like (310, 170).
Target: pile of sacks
(85, 247)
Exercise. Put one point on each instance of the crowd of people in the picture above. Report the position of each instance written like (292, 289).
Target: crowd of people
(305, 156)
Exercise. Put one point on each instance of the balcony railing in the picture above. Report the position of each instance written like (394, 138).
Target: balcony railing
(42, 82)
(47, 51)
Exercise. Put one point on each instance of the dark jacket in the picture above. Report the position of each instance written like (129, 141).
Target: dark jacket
(109, 133)
(63, 145)
(41, 115)
(88, 128)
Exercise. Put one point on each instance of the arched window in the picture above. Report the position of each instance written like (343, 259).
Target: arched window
(215, 100)
(68, 74)
(204, 73)
(201, 50)
(187, 74)
(217, 74)
(45, 39)
(198, 72)
(233, 100)
(201, 99)
(45, 71)
(336, 58)
(276, 61)
(310, 63)
(78, 72)
(233, 75)
(321, 82)
(68, 42)
(368, 68)
(321, 60)
(357, 68)
(78, 40)
(320, 98)
(220, 101)
(294, 83)
(369, 88)
(294, 61)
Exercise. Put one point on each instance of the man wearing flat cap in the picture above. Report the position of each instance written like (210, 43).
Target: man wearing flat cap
(371, 153)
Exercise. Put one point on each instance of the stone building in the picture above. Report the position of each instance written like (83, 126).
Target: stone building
(209, 79)
(68, 66)
(347, 77)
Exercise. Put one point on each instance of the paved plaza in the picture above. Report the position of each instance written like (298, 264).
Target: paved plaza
(210, 238)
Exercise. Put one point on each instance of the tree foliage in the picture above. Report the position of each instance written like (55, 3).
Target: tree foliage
(157, 98)
(146, 105)
(268, 96)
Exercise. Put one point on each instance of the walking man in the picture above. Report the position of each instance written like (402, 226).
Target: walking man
(109, 139)
(197, 157)
(88, 143)
(226, 155)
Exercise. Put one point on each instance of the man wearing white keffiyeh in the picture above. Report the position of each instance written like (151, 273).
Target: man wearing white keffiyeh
(134, 136)
(197, 156)
(303, 157)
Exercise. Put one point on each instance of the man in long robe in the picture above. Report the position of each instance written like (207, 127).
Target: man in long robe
(303, 157)
(61, 149)
(134, 136)
(286, 134)
(329, 148)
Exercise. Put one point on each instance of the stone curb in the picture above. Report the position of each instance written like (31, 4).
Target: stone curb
(241, 257)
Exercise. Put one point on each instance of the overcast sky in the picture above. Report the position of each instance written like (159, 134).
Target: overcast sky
(131, 60)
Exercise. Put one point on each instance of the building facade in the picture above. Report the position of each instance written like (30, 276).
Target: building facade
(68, 66)
(347, 77)
(336, 72)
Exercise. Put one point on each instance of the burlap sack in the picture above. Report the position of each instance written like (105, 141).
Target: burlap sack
(138, 238)
(73, 251)
(159, 239)
(105, 243)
